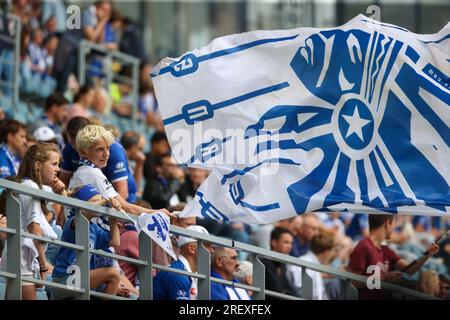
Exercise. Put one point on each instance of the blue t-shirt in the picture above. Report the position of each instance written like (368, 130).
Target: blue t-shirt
(65, 257)
(9, 163)
(359, 222)
(172, 286)
(219, 290)
(116, 169)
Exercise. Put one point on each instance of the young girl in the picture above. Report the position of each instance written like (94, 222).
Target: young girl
(98, 239)
(38, 169)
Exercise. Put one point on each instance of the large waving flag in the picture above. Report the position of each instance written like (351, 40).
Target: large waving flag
(354, 118)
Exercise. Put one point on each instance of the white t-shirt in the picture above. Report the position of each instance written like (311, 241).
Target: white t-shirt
(294, 274)
(94, 176)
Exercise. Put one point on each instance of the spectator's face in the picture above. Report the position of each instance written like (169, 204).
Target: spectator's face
(197, 176)
(103, 10)
(60, 113)
(228, 263)
(88, 98)
(99, 102)
(18, 141)
(282, 245)
(443, 290)
(160, 148)
(168, 168)
(97, 153)
(310, 228)
(50, 25)
(49, 168)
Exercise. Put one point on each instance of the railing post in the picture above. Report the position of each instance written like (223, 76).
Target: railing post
(259, 279)
(14, 248)
(145, 272)
(135, 94)
(203, 267)
(307, 285)
(82, 63)
(83, 257)
(351, 293)
(17, 63)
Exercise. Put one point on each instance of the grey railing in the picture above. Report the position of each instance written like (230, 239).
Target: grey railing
(15, 233)
(108, 58)
(14, 84)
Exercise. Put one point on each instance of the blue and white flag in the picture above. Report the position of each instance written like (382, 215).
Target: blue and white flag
(354, 118)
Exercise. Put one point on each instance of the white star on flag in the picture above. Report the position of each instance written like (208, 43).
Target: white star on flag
(356, 123)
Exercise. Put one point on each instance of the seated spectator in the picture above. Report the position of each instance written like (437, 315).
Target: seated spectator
(373, 251)
(429, 283)
(63, 272)
(224, 263)
(159, 146)
(173, 286)
(55, 111)
(82, 103)
(45, 134)
(161, 190)
(310, 227)
(244, 274)
(13, 144)
(276, 277)
(322, 252)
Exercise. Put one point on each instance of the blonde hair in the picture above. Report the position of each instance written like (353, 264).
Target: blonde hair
(90, 134)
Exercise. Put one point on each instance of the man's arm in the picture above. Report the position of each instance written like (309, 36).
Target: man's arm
(402, 263)
(121, 187)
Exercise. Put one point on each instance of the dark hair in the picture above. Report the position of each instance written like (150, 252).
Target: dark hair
(277, 232)
(158, 137)
(82, 92)
(321, 243)
(129, 139)
(377, 220)
(158, 160)
(10, 126)
(76, 124)
(55, 98)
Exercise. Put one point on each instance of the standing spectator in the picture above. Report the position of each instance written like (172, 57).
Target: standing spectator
(322, 253)
(223, 266)
(159, 146)
(55, 110)
(310, 227)
(276, 277)
(131, 41)
(173, 286)
(373, 251)
(93, 22)
(13, 138)
(161, 190)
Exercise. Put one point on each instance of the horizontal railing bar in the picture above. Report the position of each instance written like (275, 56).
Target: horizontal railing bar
(106, 296)
(56, 242)
(182, 272)
(8, 275)
(281, 295)
(8, 230)
(51, 284)
(202, 236)
(118, 257)
(67, 201)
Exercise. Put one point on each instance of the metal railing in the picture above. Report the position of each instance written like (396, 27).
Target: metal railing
(15, 62)
(15, 233)
(108, 58)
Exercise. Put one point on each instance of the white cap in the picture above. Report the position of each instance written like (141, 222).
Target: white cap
(44, 134)
(182, 240)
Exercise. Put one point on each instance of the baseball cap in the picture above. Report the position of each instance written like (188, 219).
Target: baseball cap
(182, 240)
(44, 134)
(86, 192)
